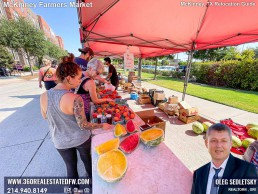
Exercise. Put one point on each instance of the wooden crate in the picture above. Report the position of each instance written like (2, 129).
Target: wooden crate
(188, 119)
(189, 111)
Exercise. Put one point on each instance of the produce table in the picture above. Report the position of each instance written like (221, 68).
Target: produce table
(137, 120)
(153, 170)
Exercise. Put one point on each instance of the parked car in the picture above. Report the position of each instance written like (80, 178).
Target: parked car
(5, 71)
(167, 68)
(182, 69)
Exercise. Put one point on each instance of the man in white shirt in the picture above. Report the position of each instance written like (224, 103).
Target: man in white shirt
(223, 164)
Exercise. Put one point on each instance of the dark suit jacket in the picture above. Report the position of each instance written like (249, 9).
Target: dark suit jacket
(235, 168)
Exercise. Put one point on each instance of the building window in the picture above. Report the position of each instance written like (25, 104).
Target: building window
(15, 15)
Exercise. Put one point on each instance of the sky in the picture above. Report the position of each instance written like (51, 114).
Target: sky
(64, 23)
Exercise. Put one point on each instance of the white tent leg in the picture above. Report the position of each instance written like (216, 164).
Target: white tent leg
(189, 64)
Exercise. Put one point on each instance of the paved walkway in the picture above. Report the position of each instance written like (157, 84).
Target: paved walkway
(26, 148)
(13, 78)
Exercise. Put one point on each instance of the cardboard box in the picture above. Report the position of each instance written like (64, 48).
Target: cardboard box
(130, 89)
(159, 96)
(132, 78)
(157, 102)
(144, 99)
(189, 112)
(127, 84)
(184, 105)
(172, 109)
(144, 90)
(188, 119)
(144, 95)
(151, 92)
(149, 117)
(172, 106)
(173, 100)
(172, 112)
(162, 106)
(131, 73)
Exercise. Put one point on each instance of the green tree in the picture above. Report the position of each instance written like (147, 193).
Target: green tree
(216, 54)
(256, 52)
(32, 40)
(21, 34)
(53, 51)
(5, 57)
(232, 54)
(171, 56)
(248, 54)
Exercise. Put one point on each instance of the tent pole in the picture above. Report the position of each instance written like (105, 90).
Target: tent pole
(140, 69)
(189, 64)
(155, 72)
(124, 69)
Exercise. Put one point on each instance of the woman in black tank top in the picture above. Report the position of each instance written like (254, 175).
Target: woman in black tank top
(87, 88)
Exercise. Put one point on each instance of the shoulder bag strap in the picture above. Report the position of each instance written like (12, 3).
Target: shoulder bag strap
(45, 74)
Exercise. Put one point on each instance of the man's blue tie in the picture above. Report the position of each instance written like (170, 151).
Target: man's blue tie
(214, 188)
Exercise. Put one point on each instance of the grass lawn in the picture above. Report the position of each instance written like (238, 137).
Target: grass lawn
(245, 100)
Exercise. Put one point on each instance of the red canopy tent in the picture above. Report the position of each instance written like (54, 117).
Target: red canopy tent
(155, 28)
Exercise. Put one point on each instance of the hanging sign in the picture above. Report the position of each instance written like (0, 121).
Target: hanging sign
(128, 60)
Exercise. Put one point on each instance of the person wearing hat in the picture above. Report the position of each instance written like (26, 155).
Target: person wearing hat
(86, 55)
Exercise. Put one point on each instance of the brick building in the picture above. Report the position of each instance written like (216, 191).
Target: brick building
(60, 42)
(49, 33)
(13, 9)
(2, 11)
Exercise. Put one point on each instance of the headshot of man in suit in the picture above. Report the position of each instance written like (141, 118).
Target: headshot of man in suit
(223, 165)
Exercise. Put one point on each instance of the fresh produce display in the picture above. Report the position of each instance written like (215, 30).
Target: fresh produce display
(112, 165)
(236, 142)
(237, 130)
(206, 125)
(246, 142)
(253, 132)
(130, 127)
(241, 132)
(120, 113)
(107, 146)
(130, 143)
(119, 130)
(197, 127)
(109, 94)
(152, 137)
(251, 125)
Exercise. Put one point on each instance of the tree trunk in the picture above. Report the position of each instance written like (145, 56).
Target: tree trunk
(155, 73)
(28, 57)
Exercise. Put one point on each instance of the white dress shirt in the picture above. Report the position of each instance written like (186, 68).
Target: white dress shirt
(212, 173)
